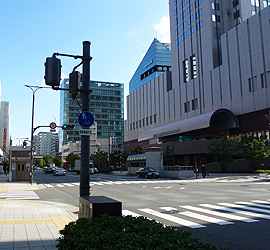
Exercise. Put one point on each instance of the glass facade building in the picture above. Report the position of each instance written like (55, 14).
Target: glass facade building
(106, 105)
(156, 60)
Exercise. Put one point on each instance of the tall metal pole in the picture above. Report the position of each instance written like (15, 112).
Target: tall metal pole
(85, 140)
(34, 89)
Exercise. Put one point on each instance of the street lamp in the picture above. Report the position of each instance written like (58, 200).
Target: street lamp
(34, 89)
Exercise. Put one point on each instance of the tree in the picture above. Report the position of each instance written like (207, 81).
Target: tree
(58, 161)
(168, 156)
(48, 159)
(136, 151)
(100, 158)
(221, 151)
(117, 157)
(41, 162)
(253, 148)
(70, 159)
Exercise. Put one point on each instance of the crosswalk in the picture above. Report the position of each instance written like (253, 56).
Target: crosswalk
(19, 195)
(202, 215)
(117, 182)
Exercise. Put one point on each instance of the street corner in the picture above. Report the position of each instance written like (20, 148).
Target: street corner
(13, 186)
(24, 212)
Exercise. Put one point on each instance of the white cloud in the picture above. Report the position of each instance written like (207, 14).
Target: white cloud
(163, 29)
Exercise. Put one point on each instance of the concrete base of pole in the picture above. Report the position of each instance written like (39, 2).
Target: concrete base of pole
(96, 206)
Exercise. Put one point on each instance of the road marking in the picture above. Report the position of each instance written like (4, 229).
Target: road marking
(128, 212)
(206, 218)
(59, 185)
(19, 195)
(76, 183)
(252, 204)
(251, 208)
(264, 216)
(168, 208)
(220, 214)
(261, 202)
(172, 218)
(48, 185)
(68, 184)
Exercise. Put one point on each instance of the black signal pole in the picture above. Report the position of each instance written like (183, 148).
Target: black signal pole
(85, 139)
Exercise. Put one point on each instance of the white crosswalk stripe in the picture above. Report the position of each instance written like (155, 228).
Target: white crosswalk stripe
(48, 185)
(206, 218)
(128, 212)
(68, 184)
(237, 211)
(220, 214)
(59, 185)
(253, 204)
(19, 195)
(174, 219)
(247, 208)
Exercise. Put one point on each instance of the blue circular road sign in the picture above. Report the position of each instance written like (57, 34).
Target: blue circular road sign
(86, 119)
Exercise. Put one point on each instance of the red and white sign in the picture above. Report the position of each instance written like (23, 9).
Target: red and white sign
(53, 125)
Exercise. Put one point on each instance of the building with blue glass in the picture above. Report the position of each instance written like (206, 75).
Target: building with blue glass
(107, 107)
(156, 60)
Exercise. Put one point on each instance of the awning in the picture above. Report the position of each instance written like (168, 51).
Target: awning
(136, 157)
(220, 119)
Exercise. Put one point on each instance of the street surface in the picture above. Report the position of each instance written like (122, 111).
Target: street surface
(231, 212)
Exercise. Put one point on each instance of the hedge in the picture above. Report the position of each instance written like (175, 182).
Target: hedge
(125, 233)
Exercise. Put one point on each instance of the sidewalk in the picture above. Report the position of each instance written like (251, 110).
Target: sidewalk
(25, 221)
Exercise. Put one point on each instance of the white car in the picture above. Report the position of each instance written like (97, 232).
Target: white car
(59, 171)
(93, 170)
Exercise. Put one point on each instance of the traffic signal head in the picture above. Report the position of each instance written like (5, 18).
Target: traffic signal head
(52, 71)
(67, 127)
(24, 144)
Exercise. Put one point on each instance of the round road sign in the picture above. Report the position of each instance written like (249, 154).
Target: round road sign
(53, 125)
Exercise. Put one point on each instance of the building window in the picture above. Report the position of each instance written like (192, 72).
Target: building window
(143, 122)
(255, 3)
(186, 70)
(194, 104)
(146, 121)
(184, 36)
(176, 20)
(140, 123)
(194, 66)
(197, 3)
(236, 14)
(183, 25)
(190, 20)
(215, 6)
(198, 13)
(155, 118)
(190, 8)
(187, 107)
(215, 18)
(183, 14)
(191, 31)
(199, 25)
(250, 87)
(151, 120)
(235, 3)
(266, 3)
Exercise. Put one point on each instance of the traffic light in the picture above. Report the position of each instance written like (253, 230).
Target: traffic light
(24, 144)
(52, 71)
(67, 127)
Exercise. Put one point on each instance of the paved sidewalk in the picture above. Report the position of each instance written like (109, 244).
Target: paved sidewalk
(25, 221)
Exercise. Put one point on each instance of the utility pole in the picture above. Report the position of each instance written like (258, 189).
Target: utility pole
(85, 140)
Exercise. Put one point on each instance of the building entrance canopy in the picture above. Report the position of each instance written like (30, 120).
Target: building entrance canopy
(220, 119)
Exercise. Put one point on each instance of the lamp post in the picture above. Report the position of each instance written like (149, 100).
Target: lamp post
(34, 89)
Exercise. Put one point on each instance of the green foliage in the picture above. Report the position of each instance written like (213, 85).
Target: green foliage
(100, 159)
(58, 162)
(70, 159)
(124, 233)
(253, 148)
(221, 151)
(168, 156)
(41, 162)
(136, 151)
(117, 158)
(48, 159)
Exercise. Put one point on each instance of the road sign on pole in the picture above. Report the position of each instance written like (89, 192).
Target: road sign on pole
(86, 119)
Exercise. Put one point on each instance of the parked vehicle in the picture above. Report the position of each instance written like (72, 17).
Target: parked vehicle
(48, 170)
(59, 171)
(93, 170)
(78, 166)
(147, 172)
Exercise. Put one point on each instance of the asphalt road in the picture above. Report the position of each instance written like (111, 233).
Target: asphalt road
(226, 212)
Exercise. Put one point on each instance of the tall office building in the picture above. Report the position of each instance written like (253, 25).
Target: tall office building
(220, 80)
(5, 127)
(47, 143)
(107, 107)
(156, 60)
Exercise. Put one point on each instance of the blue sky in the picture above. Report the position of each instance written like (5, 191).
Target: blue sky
(120, 33)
